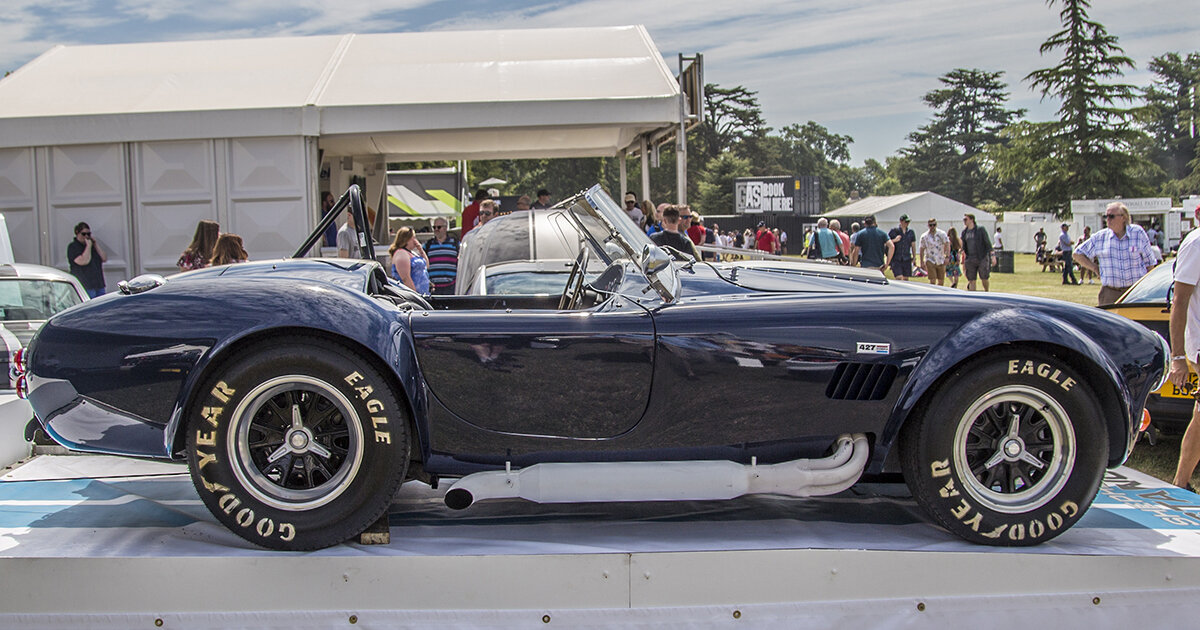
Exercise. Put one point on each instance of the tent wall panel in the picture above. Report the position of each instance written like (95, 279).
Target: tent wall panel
(18, 202)
(89, 183)
(174, 189)
(268, 200)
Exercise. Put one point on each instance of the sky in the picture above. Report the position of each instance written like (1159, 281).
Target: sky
(858, 67)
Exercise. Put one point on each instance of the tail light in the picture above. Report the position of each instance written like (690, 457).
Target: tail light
(16, 369)
(18, 361)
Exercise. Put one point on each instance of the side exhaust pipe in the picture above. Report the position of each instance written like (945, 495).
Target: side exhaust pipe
(595, 482)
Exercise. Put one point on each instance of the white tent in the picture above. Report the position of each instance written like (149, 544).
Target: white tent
(568, 92)
(143, 140)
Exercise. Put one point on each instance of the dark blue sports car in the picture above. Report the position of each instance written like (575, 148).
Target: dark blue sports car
(303, 392)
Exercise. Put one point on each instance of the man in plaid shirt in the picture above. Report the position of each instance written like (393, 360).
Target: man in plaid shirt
(1120, 253)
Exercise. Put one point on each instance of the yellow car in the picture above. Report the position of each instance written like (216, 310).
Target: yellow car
(1148, 302)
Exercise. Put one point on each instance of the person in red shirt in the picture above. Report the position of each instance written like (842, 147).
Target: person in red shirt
(765, 240)
(471, 213)
(692, 226)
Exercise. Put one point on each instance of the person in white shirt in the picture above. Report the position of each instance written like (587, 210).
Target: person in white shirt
(1185, 346)
(632, 210)
(934, 250)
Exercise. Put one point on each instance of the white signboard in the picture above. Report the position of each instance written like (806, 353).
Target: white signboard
(1143, 204)
(767, 194)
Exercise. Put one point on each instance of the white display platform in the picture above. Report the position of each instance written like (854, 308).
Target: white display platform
(15, 414)
(99, 542)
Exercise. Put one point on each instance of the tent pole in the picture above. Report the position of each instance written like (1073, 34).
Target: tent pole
(645, 168)
(624, 184)
(681, 143)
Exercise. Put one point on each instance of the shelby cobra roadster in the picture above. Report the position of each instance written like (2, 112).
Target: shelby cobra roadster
(303, 392)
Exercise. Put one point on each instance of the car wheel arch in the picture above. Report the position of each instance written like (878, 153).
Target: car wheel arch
(967, 345)
(177, 434)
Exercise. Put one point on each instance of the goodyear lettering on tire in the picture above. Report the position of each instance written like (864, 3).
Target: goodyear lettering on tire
(229, 500)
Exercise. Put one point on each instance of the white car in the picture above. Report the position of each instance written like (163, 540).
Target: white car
(29, 295)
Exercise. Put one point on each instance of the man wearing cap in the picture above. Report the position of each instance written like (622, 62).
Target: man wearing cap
(543, 200)
(764, 240)
(632, 210)
(872, 247)
(905, 242)
(935, 248)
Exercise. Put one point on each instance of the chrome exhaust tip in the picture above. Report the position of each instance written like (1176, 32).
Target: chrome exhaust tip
(459, 499)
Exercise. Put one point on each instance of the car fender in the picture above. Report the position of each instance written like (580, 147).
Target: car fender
(997, 330)
(328, 311)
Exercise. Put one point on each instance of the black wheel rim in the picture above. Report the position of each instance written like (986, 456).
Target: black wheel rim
(296, 442)
(1016, 448)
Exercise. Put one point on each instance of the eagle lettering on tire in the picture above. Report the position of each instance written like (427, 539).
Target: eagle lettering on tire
(297, 444)
(1009, 451)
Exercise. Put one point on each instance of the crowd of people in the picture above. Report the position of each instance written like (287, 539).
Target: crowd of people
(1115, 257)
(209, 247)
(940, 256)
(654, 220)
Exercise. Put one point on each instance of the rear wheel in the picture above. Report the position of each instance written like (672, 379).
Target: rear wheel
(1010, 451)
(297, 444)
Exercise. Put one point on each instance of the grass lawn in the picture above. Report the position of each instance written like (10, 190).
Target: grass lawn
(1028, 279)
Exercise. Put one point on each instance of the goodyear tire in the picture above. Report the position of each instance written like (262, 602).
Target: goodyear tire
(297, 444)
(1010, 451)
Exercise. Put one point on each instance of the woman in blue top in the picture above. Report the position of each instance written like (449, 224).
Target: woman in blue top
(409, 264)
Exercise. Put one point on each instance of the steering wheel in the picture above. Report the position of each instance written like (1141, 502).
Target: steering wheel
(573, 292)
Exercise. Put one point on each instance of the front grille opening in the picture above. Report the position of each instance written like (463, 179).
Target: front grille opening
(861, 381)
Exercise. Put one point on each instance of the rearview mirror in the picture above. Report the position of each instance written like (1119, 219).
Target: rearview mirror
(654, 260)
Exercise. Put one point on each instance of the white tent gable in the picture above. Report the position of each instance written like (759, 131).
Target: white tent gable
(407, 96)
(919, 206)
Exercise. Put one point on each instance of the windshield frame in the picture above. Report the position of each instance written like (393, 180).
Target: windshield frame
(632, 242)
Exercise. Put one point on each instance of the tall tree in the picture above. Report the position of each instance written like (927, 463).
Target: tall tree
(1171, 115)
(1087, 152)
(715, 195)
(970, 112)
(732, 121)
(811, 149)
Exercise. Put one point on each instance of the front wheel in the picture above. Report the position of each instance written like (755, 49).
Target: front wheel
(1009, 451)
(297, 445)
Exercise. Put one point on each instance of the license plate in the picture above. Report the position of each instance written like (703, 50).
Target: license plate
(1171, 390)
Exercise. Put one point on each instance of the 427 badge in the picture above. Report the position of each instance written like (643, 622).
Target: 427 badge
(868, 347)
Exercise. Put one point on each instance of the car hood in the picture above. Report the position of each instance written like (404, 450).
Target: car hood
(788, 277)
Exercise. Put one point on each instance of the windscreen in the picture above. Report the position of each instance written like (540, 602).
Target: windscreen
(33, 299)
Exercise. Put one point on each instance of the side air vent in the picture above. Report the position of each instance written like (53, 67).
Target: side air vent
(861, 381)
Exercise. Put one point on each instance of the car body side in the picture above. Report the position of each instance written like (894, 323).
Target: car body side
(726, 372)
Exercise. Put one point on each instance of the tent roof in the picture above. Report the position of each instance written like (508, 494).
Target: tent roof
(408, 96)
(920, 205)
(870, 206)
